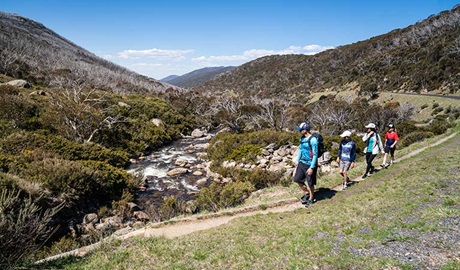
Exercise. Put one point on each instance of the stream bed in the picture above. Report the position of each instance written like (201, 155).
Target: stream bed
(183, 155)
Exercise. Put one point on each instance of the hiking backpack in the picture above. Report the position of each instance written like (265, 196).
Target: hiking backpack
(319, 138)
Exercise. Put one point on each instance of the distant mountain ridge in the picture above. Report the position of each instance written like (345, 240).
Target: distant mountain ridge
(31, 51)
(420, 57)
(197, 77)
(168, 78)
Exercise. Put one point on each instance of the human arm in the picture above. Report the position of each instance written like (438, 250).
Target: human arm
(297, 157)
(339, 153)
(396, 141)
(314, 150)
(379, 141)
(367, 136)
(353, 153)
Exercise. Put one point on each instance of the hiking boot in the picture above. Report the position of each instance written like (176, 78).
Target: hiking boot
(344, 186)
(364, 176)
(310, 203)
(382, 165)
(304, 199)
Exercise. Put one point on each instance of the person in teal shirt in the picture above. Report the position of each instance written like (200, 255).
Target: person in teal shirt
(306, 164)
(373, 147)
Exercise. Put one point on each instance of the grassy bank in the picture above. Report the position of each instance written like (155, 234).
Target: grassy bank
(405, 217)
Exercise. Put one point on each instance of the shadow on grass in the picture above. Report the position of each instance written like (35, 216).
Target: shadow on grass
(324, 193)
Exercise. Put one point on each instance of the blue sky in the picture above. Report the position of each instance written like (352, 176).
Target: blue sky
(158, 38)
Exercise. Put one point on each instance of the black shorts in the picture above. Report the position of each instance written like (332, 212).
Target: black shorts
(390, 150)
(301, 175)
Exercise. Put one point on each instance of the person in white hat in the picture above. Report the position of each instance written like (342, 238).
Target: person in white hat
(346, 156)
(373, 147)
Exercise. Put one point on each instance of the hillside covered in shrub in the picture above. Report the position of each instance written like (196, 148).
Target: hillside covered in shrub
(64, 153)
(421, 57)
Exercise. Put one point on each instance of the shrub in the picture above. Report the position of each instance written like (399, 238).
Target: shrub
(24, 226)
(208, 197)
(218, 196)
(439, 127)
(222, 145)
(58, 146)
(414, 137)
(78, 179)
(436, 110)
(245, 152)
(405, 128)
(234, 193)
(172, 207)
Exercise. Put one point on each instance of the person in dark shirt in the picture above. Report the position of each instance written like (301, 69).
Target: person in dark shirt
(391, 139)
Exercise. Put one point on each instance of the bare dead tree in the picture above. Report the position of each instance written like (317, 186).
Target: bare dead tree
(82, 111)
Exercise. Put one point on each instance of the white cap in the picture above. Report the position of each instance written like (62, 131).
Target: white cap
(370, 125)
(346, 133)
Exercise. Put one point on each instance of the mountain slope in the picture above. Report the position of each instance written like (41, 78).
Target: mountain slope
(197, 77)
(169, 78)
(29, 50)
(421, 57)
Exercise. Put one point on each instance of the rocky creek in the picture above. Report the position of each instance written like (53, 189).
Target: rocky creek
(177, 170)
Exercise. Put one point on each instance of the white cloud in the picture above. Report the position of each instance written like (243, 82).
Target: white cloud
(256, 53)
(146, 65)
(155, 54)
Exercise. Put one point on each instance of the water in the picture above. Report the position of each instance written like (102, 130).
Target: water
(154, 169)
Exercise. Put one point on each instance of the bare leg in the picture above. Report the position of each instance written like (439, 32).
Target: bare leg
(304, 188)
(311, 191)
(385, 156)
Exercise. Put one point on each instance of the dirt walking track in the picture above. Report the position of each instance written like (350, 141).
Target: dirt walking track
(178, 227)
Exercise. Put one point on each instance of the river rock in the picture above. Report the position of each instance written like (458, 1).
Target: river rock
(90, 218)
(276, 167)
(197, 133)
(133, 207)
(181, 162)
(201, 182)
(201, 146)
(139, 215)
(177, 171)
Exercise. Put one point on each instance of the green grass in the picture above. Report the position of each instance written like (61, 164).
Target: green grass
(398, 206)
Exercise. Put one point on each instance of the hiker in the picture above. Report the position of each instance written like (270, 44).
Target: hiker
(391, 138)
(373, 147)
(306, 164)
(346, 157)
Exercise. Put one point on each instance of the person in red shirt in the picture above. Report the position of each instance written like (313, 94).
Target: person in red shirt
(391, 138)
